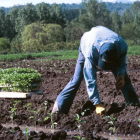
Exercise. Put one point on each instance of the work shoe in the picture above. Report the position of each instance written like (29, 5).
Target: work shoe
(100, 109)
(55, 108)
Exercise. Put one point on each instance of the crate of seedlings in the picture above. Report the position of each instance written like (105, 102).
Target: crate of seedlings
(19, 82)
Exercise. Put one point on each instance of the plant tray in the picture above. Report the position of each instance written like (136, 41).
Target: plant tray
(5, 94)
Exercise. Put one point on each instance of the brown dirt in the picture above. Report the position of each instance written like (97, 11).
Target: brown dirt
(56, 74)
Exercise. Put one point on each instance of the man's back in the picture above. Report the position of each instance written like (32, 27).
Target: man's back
(97, 36)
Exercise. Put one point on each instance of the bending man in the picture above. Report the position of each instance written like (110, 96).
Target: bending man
(106, 49)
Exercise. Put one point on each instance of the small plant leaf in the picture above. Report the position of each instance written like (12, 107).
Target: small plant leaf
(46, 118)
(83, 113)
(77, 117)
(37, 111)
(83, 138)
(107, 117)
(12, 130)
(51, 114)
(54, 123)
(112, 118)
(78, 126)
(78, 137)
(114, 129)
(111, 122)
(33, 111)
(24, 106)
(27, 129)
(111, 128)
(31, 117)
(39, 120)
(138, 120)
(82, 121)
(45, 103)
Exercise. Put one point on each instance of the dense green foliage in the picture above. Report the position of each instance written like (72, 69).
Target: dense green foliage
(47, 27)
(4, 45)
(118, 7)
(19, 79)
(37, 35)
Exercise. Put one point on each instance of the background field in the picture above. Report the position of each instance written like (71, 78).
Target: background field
(62, 54)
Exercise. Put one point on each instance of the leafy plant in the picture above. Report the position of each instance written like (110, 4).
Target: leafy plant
(27, 106)
(79, 127)
(13, 109)
(19, 79)
(35, 116)
(112, 122)
(26, 132)
(53, 33)
(139, 121)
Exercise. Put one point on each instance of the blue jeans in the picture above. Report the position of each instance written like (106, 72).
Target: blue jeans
(66, 97)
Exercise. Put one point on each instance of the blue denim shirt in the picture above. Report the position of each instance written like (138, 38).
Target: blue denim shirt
(90, 46)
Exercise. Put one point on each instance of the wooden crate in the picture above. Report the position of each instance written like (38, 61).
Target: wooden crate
(5, 94)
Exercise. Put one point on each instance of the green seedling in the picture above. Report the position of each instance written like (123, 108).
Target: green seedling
(27, 106)
(112, 122)
(12, 111)
(79, 127)
(53, 123)
(45, 103)
(139, 121)
(35, 116)
(26, 132)
(16, 102)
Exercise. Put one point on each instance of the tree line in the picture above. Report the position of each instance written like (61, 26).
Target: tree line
(45, 27)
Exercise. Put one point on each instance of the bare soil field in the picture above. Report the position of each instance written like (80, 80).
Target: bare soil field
(56, 74)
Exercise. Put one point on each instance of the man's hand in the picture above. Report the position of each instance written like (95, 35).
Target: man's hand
(119, 82)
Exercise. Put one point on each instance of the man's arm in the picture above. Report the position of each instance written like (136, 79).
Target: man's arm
(121, 70)
(90, 70)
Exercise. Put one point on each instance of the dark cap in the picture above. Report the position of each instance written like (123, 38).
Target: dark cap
(108, 52)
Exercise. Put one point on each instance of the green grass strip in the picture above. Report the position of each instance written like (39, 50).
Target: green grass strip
(133, 50)
(61, 55)
(70, 54)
